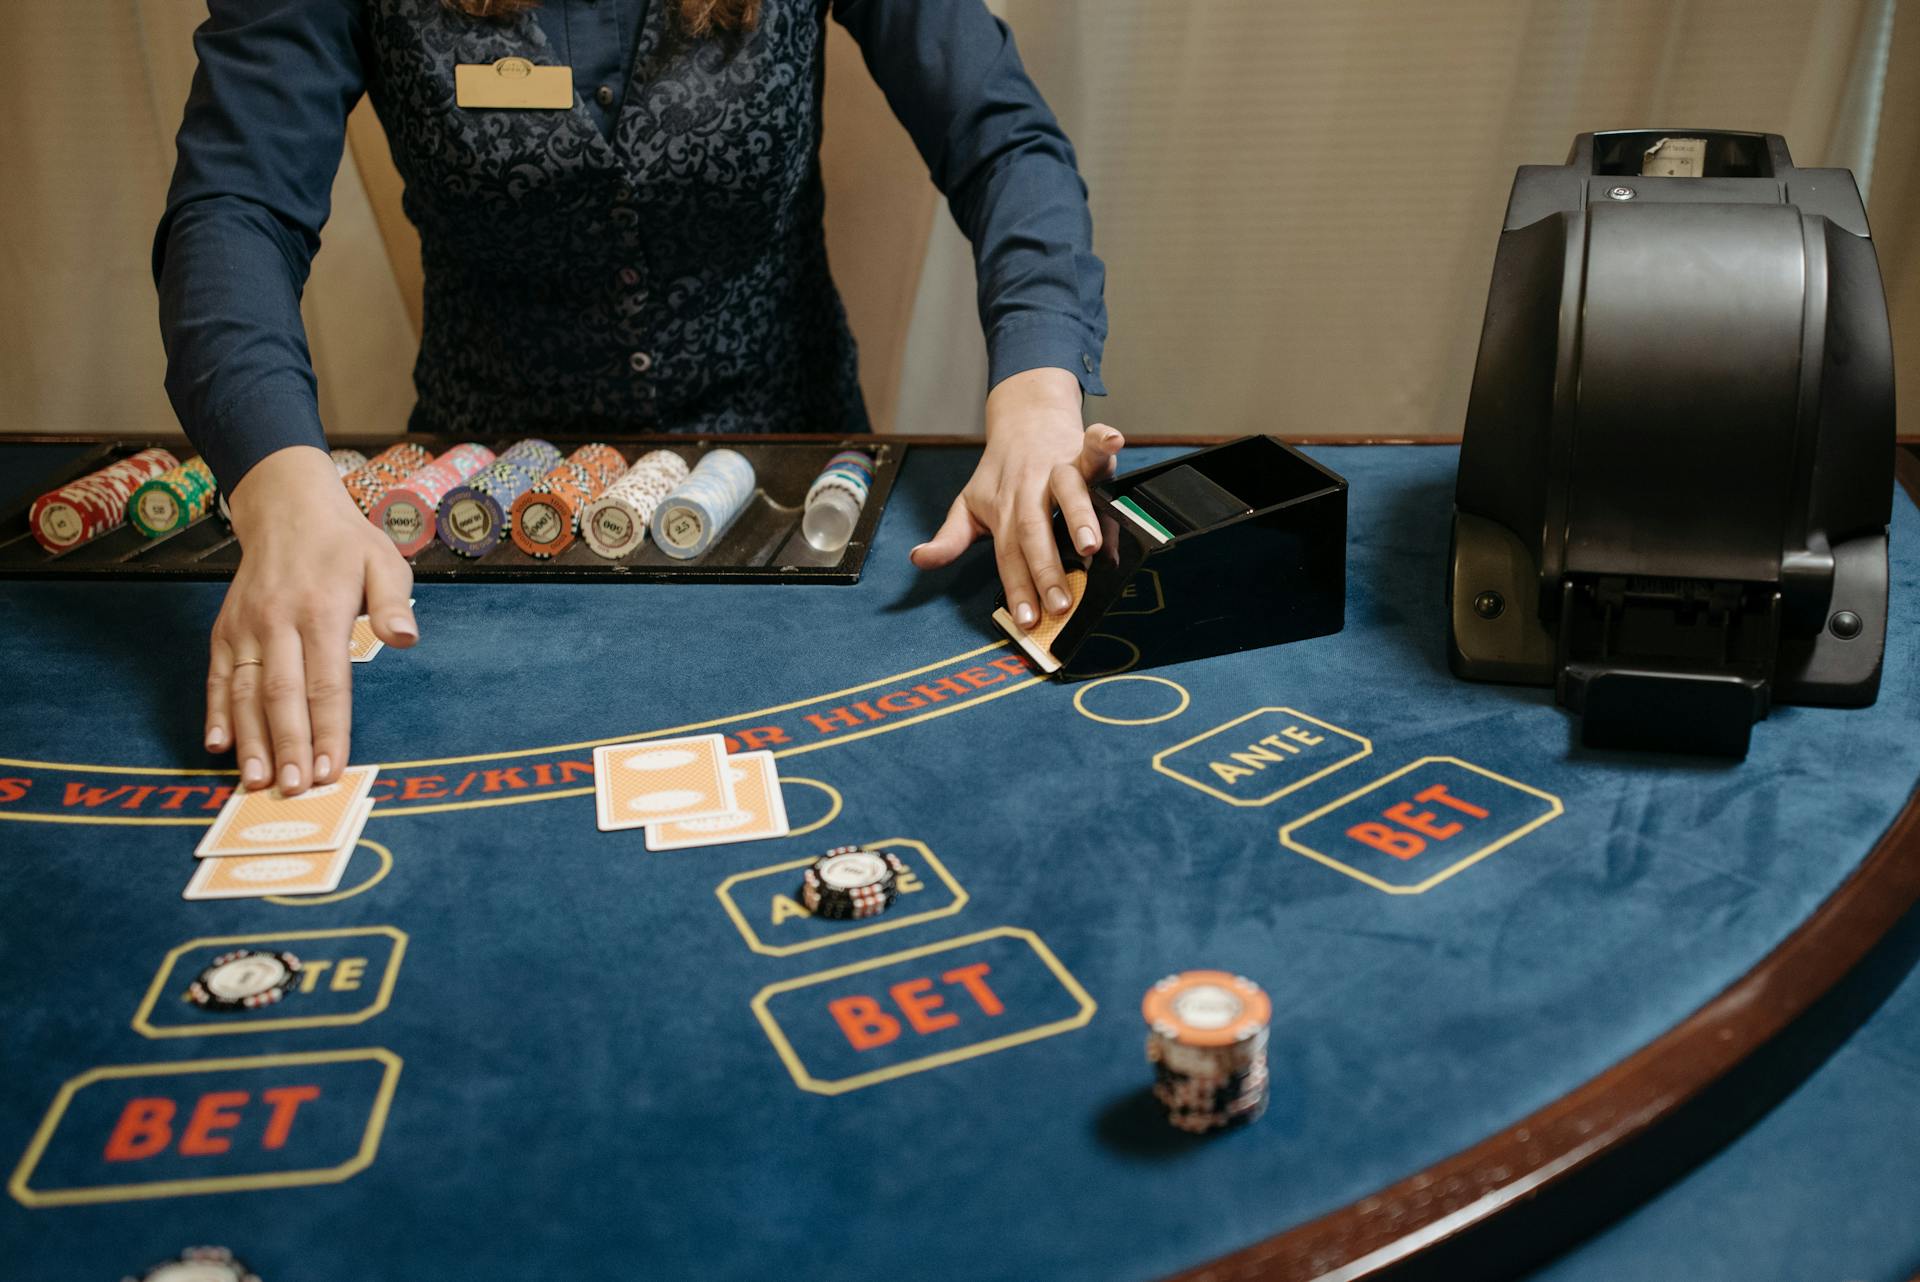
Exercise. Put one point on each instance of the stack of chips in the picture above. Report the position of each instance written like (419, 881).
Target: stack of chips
(835, 498)
(173, 500)
(89, 507)
(693, 517)
(245, 979)
(370, 482)
(473, 516)
(546, 519)
(406, 511)
(1207, 1042)
(199, 1264)
(345, 464)
(615, 523)
(850, 881)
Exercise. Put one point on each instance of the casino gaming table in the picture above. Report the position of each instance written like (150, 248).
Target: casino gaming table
(528, 1046)
(1827, 1185)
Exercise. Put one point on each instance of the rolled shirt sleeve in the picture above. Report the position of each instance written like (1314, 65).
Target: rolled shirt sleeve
(257, 152)
(951, 73)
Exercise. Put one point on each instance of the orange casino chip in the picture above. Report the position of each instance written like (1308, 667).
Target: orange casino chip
(369, 483)
(1207, 1008)
(546, 519)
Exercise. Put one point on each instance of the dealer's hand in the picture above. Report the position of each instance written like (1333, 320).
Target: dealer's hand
(1037, 456)
(279, 684)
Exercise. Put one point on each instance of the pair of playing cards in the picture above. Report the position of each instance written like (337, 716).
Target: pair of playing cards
(688, 792)
(265, 843)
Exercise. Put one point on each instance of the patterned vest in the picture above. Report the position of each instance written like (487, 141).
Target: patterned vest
(672, 279)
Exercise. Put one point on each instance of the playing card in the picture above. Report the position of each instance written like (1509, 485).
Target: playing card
(758, 810)
(264, 822)
(311, 872)
(1037, 641)
(364, 644)
(636, 784)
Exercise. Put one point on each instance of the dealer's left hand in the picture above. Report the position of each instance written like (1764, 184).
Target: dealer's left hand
(1037, 456)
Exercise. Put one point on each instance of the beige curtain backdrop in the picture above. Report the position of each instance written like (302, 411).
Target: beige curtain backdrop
(1297, 202)
(86, 179)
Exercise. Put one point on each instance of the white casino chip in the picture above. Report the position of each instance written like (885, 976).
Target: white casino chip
(246, 977)
(1207, 1006)
(854, 870)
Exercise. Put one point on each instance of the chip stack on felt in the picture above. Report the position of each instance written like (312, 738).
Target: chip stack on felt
(850, 882)
(199, 1264)
(89, 507)
(546, 519)
(1207, 1042)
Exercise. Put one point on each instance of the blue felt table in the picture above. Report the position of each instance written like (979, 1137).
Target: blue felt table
(563, 1052)
(1825, 1186)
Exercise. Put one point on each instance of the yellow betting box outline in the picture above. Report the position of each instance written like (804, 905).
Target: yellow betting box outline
(1160, 757)
(1461, 865)
(508, 754)
(745, 927)
(369, 1139)
(841, 1086)
(1079, 698)
(142, 1018)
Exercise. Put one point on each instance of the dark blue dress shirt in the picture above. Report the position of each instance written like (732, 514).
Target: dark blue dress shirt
(263, 135)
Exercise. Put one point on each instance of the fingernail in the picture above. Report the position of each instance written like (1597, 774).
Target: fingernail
(253, 773)
(1057, 600)
(216, 739)
(1023, 615)
(403, 625)
(1085, 538)
(289, 777)
(322, 766)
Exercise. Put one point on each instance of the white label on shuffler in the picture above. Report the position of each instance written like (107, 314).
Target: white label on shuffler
(1675, 158)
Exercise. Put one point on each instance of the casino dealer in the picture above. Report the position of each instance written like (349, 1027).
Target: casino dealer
(544, 147)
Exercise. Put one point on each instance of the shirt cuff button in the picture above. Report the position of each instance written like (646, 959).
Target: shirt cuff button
(1086, 362)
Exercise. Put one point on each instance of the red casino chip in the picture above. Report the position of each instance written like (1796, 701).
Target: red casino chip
(96, 503)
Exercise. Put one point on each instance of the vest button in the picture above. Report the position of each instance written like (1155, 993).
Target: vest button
(640, 362)
(603, 95)
(622, 193)
(629, 277)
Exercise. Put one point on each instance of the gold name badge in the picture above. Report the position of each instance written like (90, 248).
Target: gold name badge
(512, 82)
